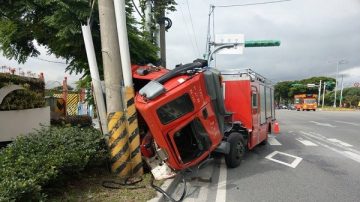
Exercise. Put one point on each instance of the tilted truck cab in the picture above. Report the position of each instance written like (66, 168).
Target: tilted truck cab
(189, 112)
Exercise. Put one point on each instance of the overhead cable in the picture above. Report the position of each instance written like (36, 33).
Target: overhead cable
(192, 26)
(251, 4)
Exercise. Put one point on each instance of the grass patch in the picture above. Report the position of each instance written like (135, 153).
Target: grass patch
(336, 109)
(88, 187)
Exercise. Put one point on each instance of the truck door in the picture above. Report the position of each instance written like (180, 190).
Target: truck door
(255, 117)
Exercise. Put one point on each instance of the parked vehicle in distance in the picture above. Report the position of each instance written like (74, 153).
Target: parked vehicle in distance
(291, 107)
(305, 102)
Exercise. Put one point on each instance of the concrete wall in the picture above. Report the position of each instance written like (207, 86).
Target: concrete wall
(21, 122)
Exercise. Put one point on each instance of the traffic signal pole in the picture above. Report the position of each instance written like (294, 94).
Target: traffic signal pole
(319, 93)
(322, 106)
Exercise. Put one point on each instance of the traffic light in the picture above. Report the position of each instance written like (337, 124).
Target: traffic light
(330, 85)
(261, 43)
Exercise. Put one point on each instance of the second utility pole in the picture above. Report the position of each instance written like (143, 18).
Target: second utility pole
(118, 137)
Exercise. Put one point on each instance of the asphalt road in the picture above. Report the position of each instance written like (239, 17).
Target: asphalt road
(316, 157)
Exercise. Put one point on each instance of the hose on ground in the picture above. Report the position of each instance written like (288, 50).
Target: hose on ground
(167, 195)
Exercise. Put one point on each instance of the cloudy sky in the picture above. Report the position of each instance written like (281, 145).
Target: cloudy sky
(314, 35)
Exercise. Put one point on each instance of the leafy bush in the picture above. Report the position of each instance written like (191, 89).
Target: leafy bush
(31, 97)
(31, 162)
(73, 120)
(22, 99)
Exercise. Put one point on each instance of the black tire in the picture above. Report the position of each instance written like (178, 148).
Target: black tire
(237, 150)
(264, 142)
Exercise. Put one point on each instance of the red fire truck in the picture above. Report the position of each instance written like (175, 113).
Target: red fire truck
(193, 110)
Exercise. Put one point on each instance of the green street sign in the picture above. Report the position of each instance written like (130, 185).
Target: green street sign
(261, 43)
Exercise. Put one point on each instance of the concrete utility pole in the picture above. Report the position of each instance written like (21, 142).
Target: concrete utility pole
(342, 88)
(162, 40)
(148, 17)
(132, 128)
(160, 36)
(337, 74)
(118, 137)
(111, 56)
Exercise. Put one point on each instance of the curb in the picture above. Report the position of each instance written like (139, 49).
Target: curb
(168, 186)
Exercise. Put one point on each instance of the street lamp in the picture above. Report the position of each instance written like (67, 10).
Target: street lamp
(337, 73)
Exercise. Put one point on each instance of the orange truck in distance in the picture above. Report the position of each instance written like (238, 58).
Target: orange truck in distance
(305, 102)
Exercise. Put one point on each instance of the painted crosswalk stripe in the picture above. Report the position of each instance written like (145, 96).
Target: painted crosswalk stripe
(353, 156)
(340, 142)
(273, 141)
(306, 142)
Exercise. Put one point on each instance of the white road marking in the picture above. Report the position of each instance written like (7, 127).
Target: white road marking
(221, 188)
(347, 152)
(306, 142)
(323, 124)
(323, 138)
(273, 141)
(340, 142)
(353, 156)
(292, 165)
(350, 123)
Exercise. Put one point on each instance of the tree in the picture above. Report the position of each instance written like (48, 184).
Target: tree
(56, 24)
(351, 96)
(286, 90)
(282, 90)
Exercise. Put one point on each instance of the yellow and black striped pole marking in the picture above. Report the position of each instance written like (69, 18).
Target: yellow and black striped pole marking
(133, 130)
(119, 144)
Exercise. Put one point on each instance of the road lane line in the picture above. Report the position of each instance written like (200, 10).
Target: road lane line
(340, 142)
(221, 188)
(350, 123)
(306, 142)
(323, 124)
(273, 141)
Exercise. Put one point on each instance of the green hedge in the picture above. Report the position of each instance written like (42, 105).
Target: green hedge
(30, 163)
(31, 97)
(72, 120)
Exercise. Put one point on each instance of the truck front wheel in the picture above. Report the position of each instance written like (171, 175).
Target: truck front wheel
(237, 150)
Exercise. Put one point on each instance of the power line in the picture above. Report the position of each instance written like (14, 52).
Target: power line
(192, 26)
(187, 30)
(49, 60)
(137, 10)
(251, 4)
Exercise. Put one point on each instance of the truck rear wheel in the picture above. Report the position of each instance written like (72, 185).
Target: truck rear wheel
(237, 150)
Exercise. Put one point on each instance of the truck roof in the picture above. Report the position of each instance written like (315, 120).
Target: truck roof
(245, 74)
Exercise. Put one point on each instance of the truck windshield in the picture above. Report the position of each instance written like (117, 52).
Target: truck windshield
(175, 109)
(310, 101)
